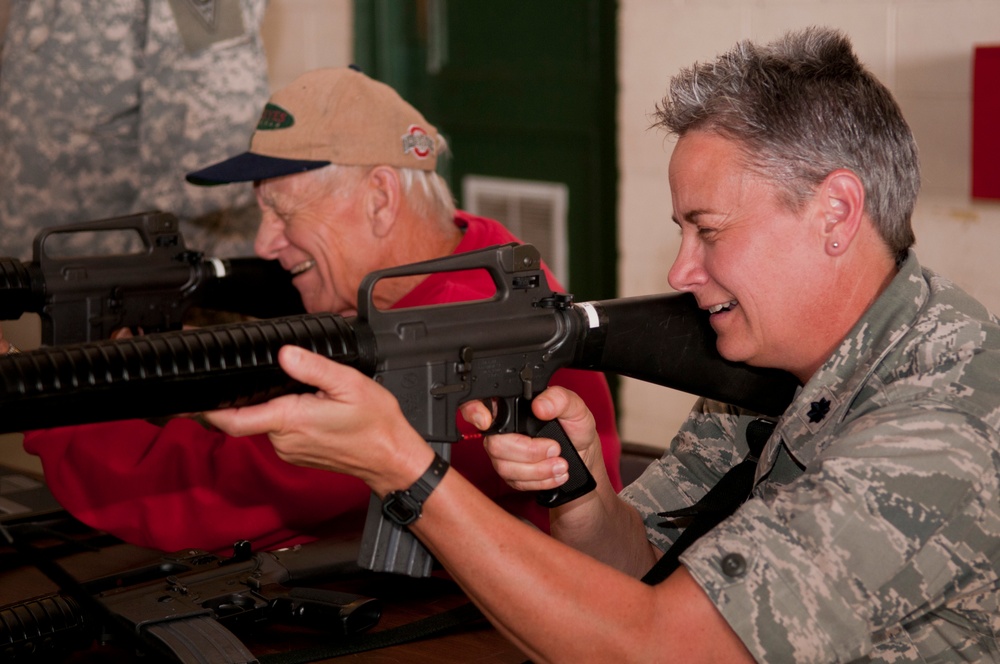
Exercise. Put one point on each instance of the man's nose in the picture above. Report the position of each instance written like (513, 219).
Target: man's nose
(270, 237)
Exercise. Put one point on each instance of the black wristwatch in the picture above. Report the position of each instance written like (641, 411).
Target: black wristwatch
(404, 507)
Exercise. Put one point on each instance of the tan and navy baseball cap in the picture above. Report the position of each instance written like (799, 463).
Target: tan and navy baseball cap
(330, 116)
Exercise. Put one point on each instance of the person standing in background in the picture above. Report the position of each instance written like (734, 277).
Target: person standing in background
(105, 104)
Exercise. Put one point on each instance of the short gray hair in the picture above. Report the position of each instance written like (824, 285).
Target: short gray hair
(425, 191)
(801, 107)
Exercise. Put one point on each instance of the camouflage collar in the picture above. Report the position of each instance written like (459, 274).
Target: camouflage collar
(825, 400)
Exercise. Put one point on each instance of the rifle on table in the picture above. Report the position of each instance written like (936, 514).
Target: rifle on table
(190, 605)
(432, 358)
(86, 298)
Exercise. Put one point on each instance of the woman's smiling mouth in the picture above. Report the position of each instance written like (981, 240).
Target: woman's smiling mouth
(725, 306)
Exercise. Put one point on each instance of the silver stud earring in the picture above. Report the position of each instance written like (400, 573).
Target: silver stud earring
(836, 244)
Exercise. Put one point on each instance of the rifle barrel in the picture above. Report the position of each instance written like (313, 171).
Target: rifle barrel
(165, 374)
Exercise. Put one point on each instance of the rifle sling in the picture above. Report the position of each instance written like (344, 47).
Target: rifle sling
(731, 491)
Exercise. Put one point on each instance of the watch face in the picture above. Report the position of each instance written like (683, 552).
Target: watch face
(401, 508)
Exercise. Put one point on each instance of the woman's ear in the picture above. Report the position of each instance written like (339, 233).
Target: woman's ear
(383, 200)
(842, 206)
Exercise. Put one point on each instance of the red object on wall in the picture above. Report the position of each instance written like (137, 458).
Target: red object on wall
(986, 122)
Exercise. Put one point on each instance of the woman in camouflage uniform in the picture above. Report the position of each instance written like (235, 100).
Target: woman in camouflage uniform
(873, 529)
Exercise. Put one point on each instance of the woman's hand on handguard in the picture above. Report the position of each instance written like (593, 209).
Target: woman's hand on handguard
(534, 464)
(350, 425)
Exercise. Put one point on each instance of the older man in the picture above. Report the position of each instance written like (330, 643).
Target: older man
(344, 172)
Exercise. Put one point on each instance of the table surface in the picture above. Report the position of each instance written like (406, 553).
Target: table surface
(403, 601)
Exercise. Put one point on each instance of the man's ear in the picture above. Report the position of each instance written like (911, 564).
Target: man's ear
(842, 207)
(383, 199)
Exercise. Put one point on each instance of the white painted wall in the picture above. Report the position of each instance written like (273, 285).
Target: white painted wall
(301, 35)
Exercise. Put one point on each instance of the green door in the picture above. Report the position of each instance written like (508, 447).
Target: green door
(524, 91)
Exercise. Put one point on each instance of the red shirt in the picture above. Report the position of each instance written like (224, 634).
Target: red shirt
(181, 485)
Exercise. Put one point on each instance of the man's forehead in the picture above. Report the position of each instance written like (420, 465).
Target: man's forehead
(290, 187)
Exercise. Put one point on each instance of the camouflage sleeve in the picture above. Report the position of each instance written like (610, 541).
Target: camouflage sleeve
(706, 446)
(892, 526)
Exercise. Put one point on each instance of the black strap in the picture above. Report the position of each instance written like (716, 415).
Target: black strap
(731, 491)
(435, 625)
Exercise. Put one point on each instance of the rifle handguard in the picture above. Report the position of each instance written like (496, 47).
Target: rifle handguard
(165, 374)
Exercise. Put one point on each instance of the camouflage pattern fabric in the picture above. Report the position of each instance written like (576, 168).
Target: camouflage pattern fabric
(873, 534)
(106, 104)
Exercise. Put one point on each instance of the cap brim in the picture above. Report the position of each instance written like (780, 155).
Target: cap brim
(248, 167)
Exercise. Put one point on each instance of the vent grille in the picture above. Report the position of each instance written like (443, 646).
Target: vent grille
(532, 210)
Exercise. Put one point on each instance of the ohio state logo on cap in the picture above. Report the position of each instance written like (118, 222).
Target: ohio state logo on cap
(416, 141)
(275, 117)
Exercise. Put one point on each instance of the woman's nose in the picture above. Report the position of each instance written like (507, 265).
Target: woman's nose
(688, 270)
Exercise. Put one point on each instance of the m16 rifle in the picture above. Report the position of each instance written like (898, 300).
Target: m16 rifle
(432, 358)
(191, 606)
(85, 297)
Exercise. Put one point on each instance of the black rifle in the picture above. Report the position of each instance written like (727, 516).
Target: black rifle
(86, 298)
(431, 358)
(189, 606)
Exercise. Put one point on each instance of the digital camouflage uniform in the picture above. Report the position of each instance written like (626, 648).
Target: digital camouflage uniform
(106, 104)
(873, 533)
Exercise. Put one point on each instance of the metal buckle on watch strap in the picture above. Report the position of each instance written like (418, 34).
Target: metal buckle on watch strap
(404, 507)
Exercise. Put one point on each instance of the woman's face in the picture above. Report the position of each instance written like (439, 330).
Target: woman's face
(748, 260)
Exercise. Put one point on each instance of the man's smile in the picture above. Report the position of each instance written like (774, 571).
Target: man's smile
(304, 266)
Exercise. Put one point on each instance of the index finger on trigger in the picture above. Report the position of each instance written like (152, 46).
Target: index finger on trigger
(477, 413)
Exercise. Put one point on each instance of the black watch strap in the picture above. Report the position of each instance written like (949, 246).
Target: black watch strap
(404, 507)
